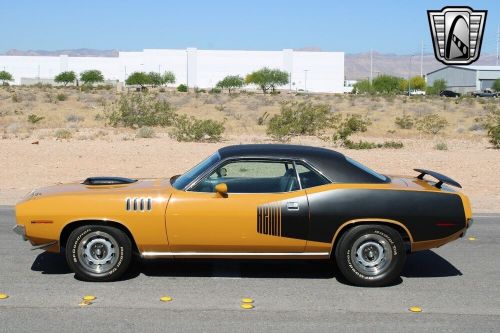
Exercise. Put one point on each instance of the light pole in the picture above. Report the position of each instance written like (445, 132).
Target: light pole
(305, 79)
(187, 69)
(409, 74)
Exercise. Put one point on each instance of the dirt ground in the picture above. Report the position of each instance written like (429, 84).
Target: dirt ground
(25, 166)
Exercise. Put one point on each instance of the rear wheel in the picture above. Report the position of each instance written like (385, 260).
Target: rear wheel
(370, 255)
(98, 253)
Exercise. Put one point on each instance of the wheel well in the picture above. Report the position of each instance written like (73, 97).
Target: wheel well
(73, 225)
(404, 234)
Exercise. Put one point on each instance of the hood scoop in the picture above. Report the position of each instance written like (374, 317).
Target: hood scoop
(108, 181)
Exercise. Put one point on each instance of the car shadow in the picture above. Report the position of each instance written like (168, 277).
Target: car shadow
(418, 265)
(426, 264)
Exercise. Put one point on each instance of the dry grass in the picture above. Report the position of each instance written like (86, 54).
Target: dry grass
(468, 157)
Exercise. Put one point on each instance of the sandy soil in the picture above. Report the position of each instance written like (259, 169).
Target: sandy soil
(25, 166)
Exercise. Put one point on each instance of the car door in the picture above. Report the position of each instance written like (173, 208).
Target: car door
(264, 211)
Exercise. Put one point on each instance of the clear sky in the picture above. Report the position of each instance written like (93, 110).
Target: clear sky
(349, 26)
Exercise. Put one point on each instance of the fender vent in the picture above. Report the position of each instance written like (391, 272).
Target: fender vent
(139, 204)
(108, 181)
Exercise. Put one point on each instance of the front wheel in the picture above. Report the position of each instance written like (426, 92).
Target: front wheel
(370, 255)
(98, 253)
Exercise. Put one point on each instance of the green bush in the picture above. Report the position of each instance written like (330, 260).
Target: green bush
(492, 124)
(359, 145)
(299, 118)
(145, 132)
(61, 97)
(215, 90)
(436, 88)
(33, 118)
(182, 88)
(191, 129)
(441, 146)
(393, 144)
(431, 123)
(405, 121)
(139, 110)
(348, 125)
(63, 134)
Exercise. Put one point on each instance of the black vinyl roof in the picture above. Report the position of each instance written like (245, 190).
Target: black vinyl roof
(330, 163)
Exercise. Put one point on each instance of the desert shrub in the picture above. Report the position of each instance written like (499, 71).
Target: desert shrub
(494, 135)
(33, 118)
(182, 88)
(139, 110)
(436, 88)
(405, 121)
(61, 97)
(220, 107)
(63, 134)
(215, 90)
(191, 129)
(145, 132)
(16, 98)
(393, 144)
(441, 146)
(348, 125)
(431, 123)
(73, 118)
(492, 124)
(299, 118)
(262, 118)
(359, 144)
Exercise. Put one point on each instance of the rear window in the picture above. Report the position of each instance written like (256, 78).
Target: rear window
(366, 169)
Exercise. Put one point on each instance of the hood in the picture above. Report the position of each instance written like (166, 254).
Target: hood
(102, 186)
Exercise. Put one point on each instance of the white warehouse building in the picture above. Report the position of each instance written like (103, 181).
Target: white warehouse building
(311, 71)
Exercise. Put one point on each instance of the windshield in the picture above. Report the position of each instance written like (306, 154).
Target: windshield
(182, 181)
(366, 169)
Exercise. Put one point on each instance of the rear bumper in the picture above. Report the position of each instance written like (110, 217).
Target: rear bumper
(21, 231)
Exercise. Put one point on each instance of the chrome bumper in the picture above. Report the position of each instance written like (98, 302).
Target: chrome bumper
(21, 231)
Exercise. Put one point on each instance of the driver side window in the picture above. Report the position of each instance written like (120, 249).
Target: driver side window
(252, 177)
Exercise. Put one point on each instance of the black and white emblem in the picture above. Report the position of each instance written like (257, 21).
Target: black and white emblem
(457, 33)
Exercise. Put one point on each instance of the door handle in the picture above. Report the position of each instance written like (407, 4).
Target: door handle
(292, 205)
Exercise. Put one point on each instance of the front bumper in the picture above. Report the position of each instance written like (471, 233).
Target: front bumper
(21, 231)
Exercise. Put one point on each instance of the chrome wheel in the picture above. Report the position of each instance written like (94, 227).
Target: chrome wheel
(371, 254)
(97, 252)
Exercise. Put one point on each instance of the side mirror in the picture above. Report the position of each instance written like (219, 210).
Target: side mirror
(221, 190)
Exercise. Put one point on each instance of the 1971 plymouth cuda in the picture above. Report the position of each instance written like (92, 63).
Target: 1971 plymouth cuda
(250, 201)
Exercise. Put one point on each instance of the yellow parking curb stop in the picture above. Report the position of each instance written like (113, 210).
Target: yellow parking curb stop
(4, 296)
(89, 298)
(247, 300)
(472, 238)
(165, 299)
(246, 306)
(415, 309)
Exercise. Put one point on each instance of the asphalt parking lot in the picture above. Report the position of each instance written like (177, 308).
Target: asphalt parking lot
(457, 287)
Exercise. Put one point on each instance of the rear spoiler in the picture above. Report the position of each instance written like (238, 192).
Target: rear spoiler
(440, 177)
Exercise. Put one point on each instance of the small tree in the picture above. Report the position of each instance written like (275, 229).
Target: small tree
(138, 78)
(496, 85)
(267, 78)
(155, 79)
(5, 76)
(168, 77)
(437, 87)
(363, 87)
(231, 82)
(417, 83)
(91, 77)
(65, 77)
(387, 84)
